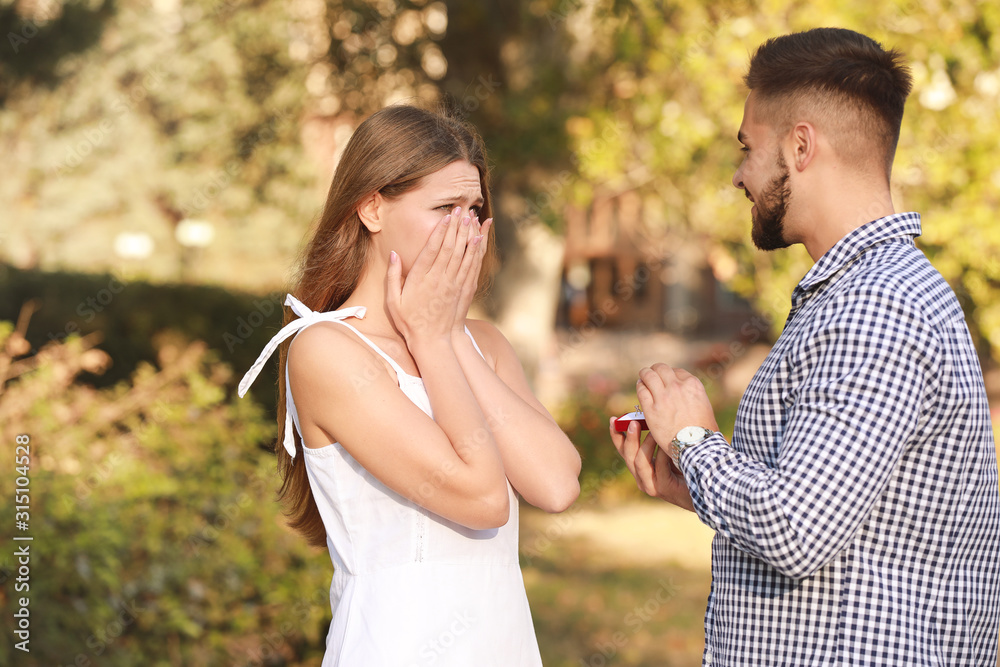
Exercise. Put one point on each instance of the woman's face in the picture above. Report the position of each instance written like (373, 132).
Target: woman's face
(406, 222)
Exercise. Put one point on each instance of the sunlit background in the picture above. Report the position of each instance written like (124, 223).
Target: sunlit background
(162, 163)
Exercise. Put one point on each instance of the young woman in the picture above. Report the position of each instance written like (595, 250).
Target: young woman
(412, 426)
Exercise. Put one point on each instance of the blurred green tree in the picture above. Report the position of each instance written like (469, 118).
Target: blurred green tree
(179, 112)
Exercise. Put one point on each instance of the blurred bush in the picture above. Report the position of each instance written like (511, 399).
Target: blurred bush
(134, 316)
(584, 418)
(156, 536)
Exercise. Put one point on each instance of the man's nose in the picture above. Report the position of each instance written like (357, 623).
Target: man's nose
(738, 177)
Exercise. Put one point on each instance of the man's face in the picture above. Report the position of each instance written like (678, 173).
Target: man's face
(763, 177)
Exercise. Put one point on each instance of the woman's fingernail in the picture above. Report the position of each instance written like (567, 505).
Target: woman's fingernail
(466, 220)
(393, 257)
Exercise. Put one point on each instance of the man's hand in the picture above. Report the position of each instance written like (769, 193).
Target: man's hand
(654, 473)
(672, 398)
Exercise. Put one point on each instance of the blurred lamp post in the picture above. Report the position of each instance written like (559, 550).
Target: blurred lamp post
(193, 236)
(133, 245)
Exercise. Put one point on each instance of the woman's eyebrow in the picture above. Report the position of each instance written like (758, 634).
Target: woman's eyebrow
(458, 197)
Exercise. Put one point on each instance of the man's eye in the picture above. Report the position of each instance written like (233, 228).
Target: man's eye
(744, 149)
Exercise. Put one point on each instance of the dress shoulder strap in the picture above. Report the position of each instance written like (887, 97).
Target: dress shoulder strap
(392, 362)
(306, 318)
(474, 344)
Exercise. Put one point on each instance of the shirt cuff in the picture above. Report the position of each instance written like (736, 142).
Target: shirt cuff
(703, 456)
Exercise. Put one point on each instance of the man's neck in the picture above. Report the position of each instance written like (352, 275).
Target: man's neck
(833, 217)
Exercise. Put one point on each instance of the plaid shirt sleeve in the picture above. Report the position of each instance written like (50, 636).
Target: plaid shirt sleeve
(858, 387)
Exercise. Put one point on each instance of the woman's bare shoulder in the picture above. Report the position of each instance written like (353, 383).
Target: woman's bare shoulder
(489, 339)
(331, 350)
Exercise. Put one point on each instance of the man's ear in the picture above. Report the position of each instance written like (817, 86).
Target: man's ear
(803, 141)
(370, 211)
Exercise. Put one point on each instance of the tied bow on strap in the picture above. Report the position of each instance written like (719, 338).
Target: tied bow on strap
(306, 317)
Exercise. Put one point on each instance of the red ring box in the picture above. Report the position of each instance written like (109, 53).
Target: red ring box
(621, 423)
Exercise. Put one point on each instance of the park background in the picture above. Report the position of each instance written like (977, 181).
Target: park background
(163, 162)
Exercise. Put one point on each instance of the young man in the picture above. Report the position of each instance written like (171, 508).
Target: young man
(856, 511)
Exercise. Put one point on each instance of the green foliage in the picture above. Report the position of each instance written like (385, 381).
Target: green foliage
(666, 100)
(156, 536)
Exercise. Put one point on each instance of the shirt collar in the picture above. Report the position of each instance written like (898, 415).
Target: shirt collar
(847, 249)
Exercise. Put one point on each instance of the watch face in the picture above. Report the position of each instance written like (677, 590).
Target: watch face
(691, 434)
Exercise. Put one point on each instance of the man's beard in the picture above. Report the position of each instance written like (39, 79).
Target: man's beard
(767, 232)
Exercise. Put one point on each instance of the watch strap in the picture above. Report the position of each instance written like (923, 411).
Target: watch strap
(677, 447)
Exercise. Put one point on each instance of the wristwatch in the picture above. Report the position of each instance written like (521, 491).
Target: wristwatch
(687, 437)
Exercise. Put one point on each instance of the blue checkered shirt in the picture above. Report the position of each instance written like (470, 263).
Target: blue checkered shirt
(857, 511)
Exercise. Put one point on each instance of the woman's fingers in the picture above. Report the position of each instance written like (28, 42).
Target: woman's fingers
(394, 286)
(460, 249)
(468, 277)
(436, 243)
(450, 244)
(484, 231)
(473, 241)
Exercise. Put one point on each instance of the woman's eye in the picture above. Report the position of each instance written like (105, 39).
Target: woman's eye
(475, 210)
(744, 149)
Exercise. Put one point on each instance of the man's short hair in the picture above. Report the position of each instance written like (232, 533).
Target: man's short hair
(842, 81)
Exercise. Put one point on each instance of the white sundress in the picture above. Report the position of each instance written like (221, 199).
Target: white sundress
(409, 588)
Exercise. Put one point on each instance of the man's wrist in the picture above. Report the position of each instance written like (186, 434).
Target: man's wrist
(689, 436)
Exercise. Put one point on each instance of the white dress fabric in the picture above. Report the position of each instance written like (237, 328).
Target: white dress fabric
(411, 588)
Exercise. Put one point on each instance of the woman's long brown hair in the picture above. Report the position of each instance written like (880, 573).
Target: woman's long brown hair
(389, 153)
